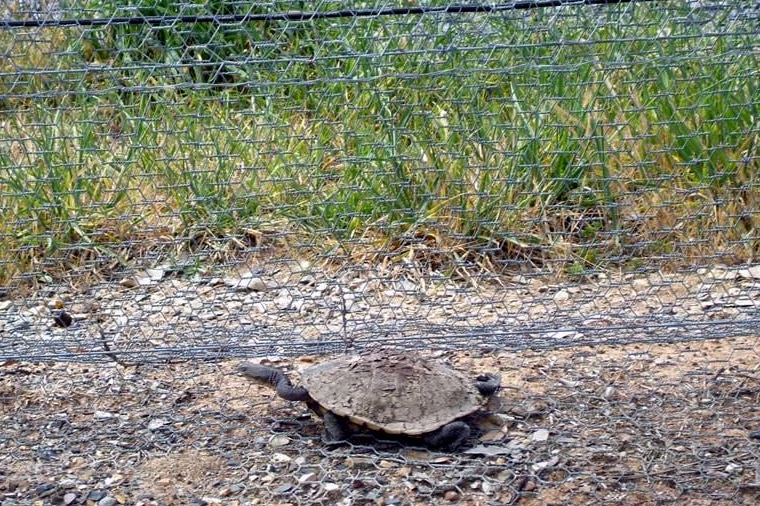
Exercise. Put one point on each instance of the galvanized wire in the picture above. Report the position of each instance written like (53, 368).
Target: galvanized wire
(564, 192)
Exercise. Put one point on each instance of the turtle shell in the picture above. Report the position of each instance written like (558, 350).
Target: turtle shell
(393, 393)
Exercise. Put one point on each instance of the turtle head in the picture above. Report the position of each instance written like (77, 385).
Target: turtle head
(273, 377)
(487, 384)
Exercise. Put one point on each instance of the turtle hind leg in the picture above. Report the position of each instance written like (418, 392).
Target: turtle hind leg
(336, 428)
(450, 436)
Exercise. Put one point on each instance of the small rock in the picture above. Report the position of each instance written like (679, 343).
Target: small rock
(157, 423)
(359, 462)
(489, 488)
(493, 435)
(113, 479)
(489, 451)
(451, 496)
(330, 487)
(280, 458)
(96, 495)
(308, 477)
(108, 501)
(283, 489)
(540, 435)
(44, 490)
(283, 302)
(308, 280)
(564, 334)
(751, 273)
(102, 415)
(640, 284)
(143, 278)
(540, 466)
(732, 468)
(404, 472)
(69, 498)
(54, 304)
(246, 284)
(279, 441)
(561, 296)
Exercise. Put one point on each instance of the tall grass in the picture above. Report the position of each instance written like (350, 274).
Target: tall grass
(517, 136)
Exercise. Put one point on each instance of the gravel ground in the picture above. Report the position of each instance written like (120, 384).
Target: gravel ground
(615, 390)
(635, 424)
(294, 309)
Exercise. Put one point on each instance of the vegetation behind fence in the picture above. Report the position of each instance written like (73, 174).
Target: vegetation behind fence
(569, 138)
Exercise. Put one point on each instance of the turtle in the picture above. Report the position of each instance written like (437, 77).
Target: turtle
(401, 394)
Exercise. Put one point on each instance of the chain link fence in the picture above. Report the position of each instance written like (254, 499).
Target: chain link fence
(565, 193)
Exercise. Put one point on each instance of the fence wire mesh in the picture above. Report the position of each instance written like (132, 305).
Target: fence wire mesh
(564, 193)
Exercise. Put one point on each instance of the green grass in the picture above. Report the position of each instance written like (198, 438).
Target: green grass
(537, 140)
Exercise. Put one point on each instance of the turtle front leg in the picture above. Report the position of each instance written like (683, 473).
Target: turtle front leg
(450, 436)
(335, 428)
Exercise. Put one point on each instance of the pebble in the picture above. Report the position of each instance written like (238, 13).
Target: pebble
(308, 477)
(751, 273)
(540, 466)
(280, 458)
(330, 487)
(279, 441)
(359, 462)
(107, 501)
(283, 489)
(246, 284)
(96, 495)
(69, 498)
(493, 435)
(283, 302)
(44, 490)
(732, 468)
(157, 423)
(451, 496)
(489, 487)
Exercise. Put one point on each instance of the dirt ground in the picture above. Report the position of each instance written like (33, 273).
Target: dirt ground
(627, 424)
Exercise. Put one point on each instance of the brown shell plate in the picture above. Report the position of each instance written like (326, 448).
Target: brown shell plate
(392, 392)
